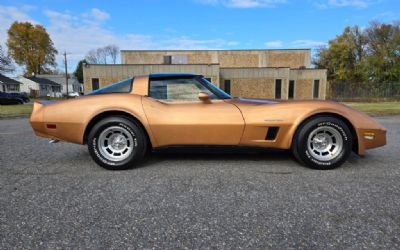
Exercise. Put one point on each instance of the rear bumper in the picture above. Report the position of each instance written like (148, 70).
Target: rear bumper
(53, 124)
(36, 119)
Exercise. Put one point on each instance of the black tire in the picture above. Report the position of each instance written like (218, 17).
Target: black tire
(137, 143)
(303, 143)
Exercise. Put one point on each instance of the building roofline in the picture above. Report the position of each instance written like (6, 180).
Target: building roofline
(165, 50)
(202, 64)
(256, 68)
(8, 80)
(151, 64)
(308, 69)
(43, 81)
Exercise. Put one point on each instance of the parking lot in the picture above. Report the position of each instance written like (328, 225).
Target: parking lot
(55, 196)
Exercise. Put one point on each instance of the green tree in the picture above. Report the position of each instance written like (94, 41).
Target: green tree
(383, 50)
(31, 46)
(79, 70)
(6, 64)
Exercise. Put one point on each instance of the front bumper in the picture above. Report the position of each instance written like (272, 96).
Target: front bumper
(370, 138)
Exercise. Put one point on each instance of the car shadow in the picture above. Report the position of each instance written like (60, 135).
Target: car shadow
(217, 154)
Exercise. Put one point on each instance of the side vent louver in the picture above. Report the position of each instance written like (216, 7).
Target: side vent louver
(272, 133)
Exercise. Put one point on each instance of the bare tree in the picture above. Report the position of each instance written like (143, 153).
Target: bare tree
(91, 57)
(103, 54)
(112, 50)
(6, 64)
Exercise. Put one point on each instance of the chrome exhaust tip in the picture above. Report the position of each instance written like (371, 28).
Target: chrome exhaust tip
(52, 141)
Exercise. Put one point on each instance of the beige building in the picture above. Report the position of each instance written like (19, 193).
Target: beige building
(281, 74)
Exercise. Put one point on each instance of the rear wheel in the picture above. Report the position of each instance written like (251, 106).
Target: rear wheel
(323, 142)
(117, 143)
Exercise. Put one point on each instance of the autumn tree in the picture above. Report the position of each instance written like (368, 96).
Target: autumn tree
(103, 55)
(344, 56)
(383, 50)
(31, 46)
(371, 55)
(6, 64)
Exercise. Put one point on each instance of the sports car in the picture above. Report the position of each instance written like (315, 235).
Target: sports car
(121, 122)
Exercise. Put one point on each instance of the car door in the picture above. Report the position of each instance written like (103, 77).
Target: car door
(177, 117)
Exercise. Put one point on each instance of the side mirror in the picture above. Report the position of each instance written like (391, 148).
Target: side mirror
(204, 97)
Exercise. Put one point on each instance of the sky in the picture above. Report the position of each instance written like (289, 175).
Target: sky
(79, 26)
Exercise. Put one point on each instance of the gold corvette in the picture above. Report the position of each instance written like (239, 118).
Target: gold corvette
(121, 122)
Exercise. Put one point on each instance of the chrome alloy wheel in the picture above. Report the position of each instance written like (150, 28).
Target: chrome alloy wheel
(325, 143)
(116, 143)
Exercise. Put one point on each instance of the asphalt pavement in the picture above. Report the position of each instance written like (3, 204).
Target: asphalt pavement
(54, 196)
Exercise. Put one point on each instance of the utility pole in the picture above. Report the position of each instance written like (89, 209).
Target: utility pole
(66, 71)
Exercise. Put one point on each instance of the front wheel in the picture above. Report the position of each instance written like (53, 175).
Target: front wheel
(323, 142)
(117, 143)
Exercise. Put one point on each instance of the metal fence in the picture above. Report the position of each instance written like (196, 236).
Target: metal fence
(344, 91)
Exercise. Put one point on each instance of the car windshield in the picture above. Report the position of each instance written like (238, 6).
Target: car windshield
(217, 91)
(124, 86)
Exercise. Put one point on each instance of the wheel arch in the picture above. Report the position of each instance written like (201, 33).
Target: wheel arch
(336, 115)
(110, 113)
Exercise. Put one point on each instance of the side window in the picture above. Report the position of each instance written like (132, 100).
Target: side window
(177, 89)
(123, 86)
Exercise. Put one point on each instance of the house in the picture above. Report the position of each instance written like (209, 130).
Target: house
(28, 86)
(73, 84)
(9, 85)
(46, 86)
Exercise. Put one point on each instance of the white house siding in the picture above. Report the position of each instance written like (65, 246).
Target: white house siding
(27, 85)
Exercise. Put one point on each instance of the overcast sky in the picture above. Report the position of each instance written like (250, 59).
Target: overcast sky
(78, 26)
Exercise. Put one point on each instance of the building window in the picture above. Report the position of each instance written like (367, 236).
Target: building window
(179, 59)
(291, 89)
(167, 59)
(278, 88)
(227, 86)
(316, 89)
(75, 88)
(56, 89)
(95, 83)
(13, 87)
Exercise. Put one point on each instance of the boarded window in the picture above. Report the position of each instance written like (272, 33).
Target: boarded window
(278, 88)
(95, 83)
(227, 86)
(167, 59)
(291, 89)
(316, 89)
